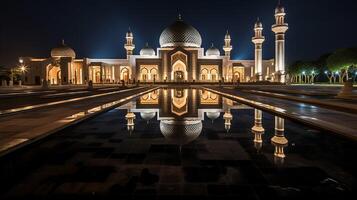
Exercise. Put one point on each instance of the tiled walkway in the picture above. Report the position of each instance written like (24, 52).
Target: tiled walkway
(20, 128)
(335, 121)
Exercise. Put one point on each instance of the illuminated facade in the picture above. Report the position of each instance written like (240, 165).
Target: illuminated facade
(181, 111)
(180, 58)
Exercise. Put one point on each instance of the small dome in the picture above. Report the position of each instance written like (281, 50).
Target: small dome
(227, 36)
(279, 9)
(129, 33)
(147, 116)
(258, 24)
(213, 115)
(213, 51)
(180, 34)
(181, 132)
(147, 51)
(63, 51)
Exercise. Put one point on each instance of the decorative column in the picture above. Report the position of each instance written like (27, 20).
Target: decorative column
(279, 28)
(258, 40)
(129, 45)
(279, 140)
(227, 45)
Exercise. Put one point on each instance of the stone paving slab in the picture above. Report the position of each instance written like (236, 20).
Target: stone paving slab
(24, 127)
(338, 122)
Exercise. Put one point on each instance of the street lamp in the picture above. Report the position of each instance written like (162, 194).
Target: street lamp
(23, 69)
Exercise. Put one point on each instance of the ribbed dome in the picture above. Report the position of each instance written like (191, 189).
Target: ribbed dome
(180, 34)
(213, 51)
(63, 51)
(181, 132)
(147, 51)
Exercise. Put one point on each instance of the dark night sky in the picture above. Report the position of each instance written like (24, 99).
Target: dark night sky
(96, 28)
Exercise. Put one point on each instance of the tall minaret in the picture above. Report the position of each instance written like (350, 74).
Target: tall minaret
(227, 44)
(129, 45)
(279, 28)
(258, 40)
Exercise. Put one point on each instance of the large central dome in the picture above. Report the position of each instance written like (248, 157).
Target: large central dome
(180, 34)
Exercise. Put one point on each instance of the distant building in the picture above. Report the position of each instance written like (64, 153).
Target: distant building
(180, 58)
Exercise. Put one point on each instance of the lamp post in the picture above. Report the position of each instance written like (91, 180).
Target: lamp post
(22, 69)
(304, 76)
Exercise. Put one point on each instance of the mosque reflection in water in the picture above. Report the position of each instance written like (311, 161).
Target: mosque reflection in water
(181, 113)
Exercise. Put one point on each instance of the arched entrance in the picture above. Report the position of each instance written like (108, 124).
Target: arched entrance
(204, 74)
(54, 75)
(214, 75)
(125, 75)
(144, 74)
(236, 76)
(179, 71)
(154, 74)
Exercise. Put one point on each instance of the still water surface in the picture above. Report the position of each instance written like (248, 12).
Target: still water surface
(183, 142)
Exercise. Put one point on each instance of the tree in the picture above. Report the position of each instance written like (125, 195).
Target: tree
(303, 71)
(342, 63)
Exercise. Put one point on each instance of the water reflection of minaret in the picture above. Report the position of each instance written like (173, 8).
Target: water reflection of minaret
(227, 120)
(258, 129)
(279, 140)
(130, 117)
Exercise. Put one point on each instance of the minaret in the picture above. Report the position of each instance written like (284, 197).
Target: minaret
(258, 40)
(227, 44)
(279, 28)
(129, 45)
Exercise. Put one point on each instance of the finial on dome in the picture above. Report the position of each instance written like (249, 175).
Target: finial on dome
(212, 45)
(63, 42)
(146, 44)
(279, 8)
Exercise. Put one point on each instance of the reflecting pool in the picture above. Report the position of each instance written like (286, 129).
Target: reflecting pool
(183, 142)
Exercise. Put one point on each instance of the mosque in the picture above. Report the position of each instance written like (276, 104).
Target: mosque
(180, 58)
